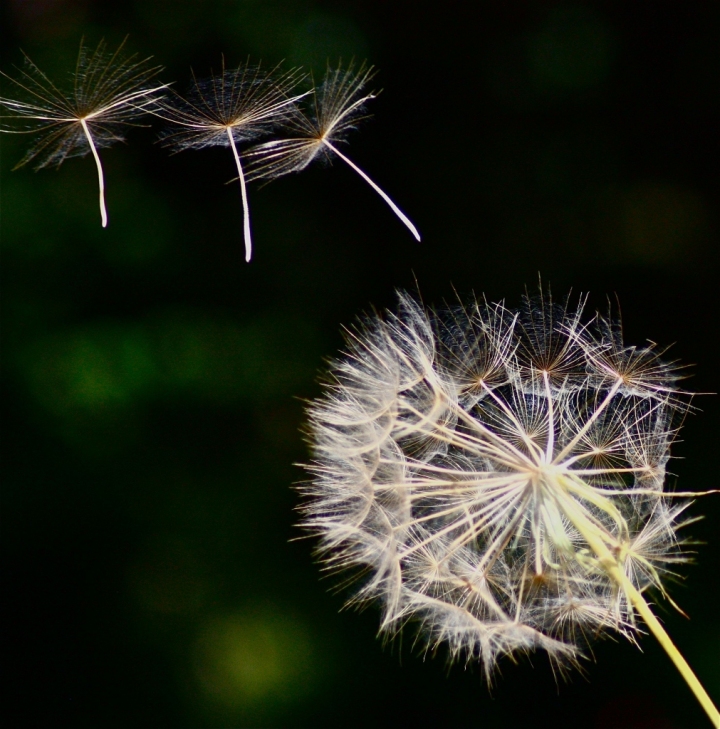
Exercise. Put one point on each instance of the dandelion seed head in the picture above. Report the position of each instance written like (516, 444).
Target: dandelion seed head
(469, 461)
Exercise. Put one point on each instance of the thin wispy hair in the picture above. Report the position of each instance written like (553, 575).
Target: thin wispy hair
(497, 477)
(109, 92)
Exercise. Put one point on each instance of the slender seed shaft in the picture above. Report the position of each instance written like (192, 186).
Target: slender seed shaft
(101, 178)
(377, 189)
(243, 190)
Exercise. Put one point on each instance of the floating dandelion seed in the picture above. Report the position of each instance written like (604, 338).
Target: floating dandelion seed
(500, 477)
(110, 91)
(227, 109)
(338, 107)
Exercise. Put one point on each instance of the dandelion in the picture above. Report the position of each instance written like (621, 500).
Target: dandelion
(110, 91)
(498, 477)
(338, 107)
(227, 109)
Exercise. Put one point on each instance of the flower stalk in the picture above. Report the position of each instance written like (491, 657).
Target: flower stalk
(612, 566)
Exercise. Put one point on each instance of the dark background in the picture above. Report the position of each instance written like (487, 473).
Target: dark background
(154, 383)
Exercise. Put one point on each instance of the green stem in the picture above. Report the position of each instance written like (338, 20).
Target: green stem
(610, 564)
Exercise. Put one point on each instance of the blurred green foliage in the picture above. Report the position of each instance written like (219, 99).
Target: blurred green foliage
(174, 354)
(153, 382)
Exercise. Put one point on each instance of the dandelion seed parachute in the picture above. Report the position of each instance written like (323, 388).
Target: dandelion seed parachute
(338, 107)
(228, 109)
(500, 476)
(110, 92)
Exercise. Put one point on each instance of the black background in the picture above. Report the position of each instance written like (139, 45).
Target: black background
(153, 382)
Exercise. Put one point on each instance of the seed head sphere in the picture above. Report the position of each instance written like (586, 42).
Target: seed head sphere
(497, 476)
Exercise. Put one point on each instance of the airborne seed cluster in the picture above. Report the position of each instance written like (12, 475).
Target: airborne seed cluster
(235, 108)
(497, 475)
